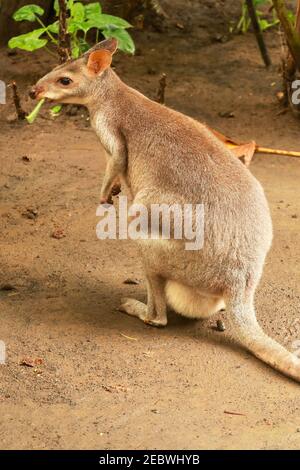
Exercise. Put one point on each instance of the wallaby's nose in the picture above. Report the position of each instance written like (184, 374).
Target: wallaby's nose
(35, 91)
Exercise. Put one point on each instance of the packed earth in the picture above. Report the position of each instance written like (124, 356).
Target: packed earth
(81, 374)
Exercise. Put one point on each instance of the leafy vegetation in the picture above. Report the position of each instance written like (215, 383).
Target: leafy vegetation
(264, 22)
(82, 19)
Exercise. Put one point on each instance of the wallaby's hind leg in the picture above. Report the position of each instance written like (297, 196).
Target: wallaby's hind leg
(155, 312)
(253, 338)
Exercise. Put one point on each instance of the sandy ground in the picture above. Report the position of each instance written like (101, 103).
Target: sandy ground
(107, 380)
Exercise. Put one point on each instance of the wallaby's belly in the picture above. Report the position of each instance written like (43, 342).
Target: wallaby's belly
(235, 244)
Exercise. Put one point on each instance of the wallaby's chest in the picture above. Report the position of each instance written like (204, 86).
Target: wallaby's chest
(105, 132)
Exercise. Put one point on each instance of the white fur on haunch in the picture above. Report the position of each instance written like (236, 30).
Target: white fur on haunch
(191, 302)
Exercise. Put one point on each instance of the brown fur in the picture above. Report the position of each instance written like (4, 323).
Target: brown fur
(166, 157)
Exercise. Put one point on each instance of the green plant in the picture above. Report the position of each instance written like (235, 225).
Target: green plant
(245, 22)
(82, 19)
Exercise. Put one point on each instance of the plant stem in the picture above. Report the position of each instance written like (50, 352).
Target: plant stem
(162, 89)
(291, 33)
(17, 102)
(50, 52)
(46, 30)
(64, 38)
(258, 33)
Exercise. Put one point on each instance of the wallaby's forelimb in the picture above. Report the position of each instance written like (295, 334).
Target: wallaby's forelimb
(114, 168)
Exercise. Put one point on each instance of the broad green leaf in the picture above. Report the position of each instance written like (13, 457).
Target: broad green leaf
(78, 12)
(125, 41)
(28, 13)
(103, 21)
(75, 49)
(83, 46)
(28, 42)
(92, 10)
(74, 26)
(56, 7)
(54, 27)
(55, 111)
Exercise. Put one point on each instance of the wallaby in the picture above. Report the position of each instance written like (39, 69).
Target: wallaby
(164, 156)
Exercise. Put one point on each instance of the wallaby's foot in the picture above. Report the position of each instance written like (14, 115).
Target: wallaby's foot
(138, 309)
(158, 323)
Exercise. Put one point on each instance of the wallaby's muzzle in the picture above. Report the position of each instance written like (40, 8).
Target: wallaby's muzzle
(35, 91)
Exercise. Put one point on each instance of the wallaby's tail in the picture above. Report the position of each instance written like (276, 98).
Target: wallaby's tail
(253, 338)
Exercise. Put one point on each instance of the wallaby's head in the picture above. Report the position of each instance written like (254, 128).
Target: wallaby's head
(76, 80)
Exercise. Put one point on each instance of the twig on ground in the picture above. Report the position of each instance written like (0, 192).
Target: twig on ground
(17, 102)
(162, 89)
(234, 413)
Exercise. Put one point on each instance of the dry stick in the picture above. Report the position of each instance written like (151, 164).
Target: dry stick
(162, 89)
(232, 144)
(258, 33)
(64, 40)
(267, 150)
(156, 7)
(17, 102)
(289, 67)
(291, 33)
(288, 153)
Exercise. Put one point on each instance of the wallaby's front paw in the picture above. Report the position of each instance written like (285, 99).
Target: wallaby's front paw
(106, 200)
(116, 189)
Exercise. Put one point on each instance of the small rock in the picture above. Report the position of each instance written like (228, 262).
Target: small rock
(294, 216)
(222, 38)
(220, 326)
(226, 114)
(58, 234)
(131, 281)
(7, 287)
(30, 214)
(151, 71)
(26, 159)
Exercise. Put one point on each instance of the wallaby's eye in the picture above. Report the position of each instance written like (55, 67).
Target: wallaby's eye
(65, 81)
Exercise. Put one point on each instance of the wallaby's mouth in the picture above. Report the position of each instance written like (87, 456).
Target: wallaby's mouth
(36, 92)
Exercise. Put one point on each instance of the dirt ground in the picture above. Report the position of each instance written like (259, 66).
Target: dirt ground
(107, 381)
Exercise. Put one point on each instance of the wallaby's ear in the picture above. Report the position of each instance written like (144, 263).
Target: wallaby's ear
(110, 45)
(99, 61)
